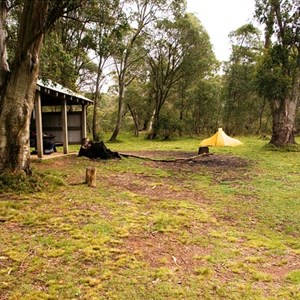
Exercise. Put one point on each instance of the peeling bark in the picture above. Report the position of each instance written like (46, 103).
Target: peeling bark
(18, 90)
(284, 114)
(4, 67)
(18, 103)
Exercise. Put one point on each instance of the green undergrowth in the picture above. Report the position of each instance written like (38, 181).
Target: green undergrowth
(23, 184)
(289, 148)
(152, 230)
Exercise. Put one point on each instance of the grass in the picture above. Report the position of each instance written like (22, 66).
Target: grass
(154, 230)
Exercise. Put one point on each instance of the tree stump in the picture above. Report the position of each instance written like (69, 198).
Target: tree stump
(90, 176)
(203, 150)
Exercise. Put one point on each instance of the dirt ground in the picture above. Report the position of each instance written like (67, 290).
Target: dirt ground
(155, 246)
(159, 249)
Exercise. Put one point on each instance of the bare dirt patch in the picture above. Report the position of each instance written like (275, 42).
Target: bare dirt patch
(175, 216)
(211, 160)
(222, 168)
(164, 250)
(176, 186)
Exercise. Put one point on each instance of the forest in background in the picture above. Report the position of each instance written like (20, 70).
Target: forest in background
(149, 66)
(160, 60)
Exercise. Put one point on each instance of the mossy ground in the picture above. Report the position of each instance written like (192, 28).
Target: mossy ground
(224, 227)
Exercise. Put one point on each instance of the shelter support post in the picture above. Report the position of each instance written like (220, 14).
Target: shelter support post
(83, 121)
(64, 118)
(38, 124)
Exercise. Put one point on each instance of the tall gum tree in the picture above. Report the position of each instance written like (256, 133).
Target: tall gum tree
(243, 108)
(180, 53)
(18, 83)
(109, 20)
(142, 14)
(279, 71)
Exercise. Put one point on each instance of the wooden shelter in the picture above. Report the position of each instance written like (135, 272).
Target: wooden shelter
(58, 113)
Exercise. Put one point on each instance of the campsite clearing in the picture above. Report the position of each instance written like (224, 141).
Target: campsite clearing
(224, 227)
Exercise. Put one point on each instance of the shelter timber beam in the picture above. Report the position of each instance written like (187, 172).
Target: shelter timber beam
(83, 121)
(38, 124)
(64, 118)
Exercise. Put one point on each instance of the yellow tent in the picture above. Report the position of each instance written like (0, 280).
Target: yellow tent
(220, 139)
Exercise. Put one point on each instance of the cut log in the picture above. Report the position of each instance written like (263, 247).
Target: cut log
(90, 177)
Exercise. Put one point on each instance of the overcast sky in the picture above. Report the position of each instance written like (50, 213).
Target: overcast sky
(220, 17)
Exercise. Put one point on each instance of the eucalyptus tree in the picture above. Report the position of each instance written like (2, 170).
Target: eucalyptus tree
(109, 23)
(203, 114)
(141, 15)
(81, 46)
(279, 71)
(66, 49)
(18, 79)
(180, 53)
(199, 67)
(243, 107)
(137, 102)
(56, 62)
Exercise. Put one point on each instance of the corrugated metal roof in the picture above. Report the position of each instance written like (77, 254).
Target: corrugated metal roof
(56, 87)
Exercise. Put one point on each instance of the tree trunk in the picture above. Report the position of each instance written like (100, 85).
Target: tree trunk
(18, 103)
(97, 97)
(95, 127)
(149, 124)
(4, 68)
(283, 114)
(135, 121)
(261, 113)
(18, 91)
(120, 112)
(155, 126)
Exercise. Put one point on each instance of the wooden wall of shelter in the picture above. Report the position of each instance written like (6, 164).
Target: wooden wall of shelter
(50, 94)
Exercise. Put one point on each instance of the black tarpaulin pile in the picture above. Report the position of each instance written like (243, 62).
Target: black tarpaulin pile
(96, 150)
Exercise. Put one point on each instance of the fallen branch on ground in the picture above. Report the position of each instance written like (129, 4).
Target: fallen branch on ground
(192, 158)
